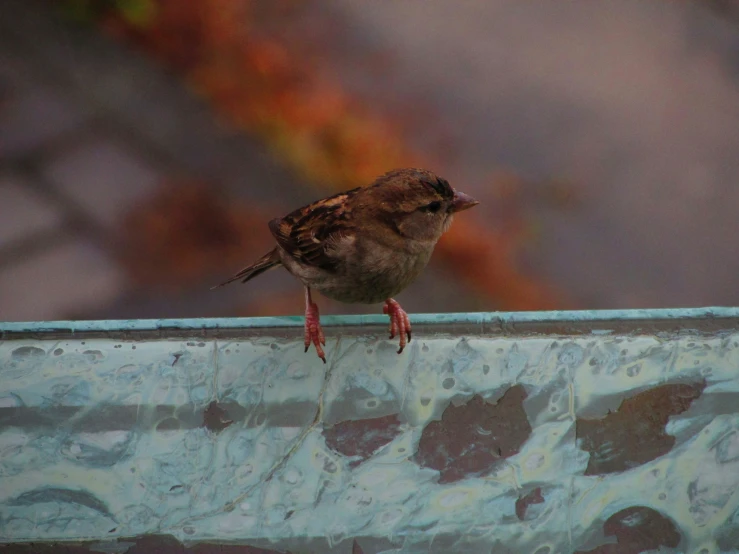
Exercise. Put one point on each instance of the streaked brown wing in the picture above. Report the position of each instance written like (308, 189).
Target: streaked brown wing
(307, 233)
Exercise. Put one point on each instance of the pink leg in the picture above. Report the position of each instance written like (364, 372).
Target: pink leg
(313, 331)
(399, 322)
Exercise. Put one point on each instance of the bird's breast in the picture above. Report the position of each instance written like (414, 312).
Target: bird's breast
(375, 272)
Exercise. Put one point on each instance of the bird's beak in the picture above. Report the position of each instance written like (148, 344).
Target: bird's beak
(462, 201)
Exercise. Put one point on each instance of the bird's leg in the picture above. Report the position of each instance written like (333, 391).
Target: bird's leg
(399, 322)
(313, 331)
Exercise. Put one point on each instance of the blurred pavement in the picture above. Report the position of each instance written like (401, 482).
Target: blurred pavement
(635, 103)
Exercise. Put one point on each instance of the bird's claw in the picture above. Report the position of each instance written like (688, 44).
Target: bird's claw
(400, 324)
(313, 331)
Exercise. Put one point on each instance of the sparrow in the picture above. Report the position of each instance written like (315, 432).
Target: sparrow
(364, 245)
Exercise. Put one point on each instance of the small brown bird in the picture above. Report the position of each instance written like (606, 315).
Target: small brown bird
(364, 245)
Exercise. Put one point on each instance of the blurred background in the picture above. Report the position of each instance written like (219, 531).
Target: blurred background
(144, 145)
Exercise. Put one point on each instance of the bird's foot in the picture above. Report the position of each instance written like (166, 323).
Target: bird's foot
(399, 322)
(313, 331)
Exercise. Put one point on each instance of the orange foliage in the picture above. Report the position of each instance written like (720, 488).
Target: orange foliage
(485, 262)
(253, 62)
(269, 83)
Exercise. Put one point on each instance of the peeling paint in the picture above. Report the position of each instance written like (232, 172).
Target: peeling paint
(531, 439)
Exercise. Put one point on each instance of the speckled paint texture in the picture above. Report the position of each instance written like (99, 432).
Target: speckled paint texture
(565, 432)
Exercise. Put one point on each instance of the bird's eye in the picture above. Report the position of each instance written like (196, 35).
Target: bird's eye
(433, 207)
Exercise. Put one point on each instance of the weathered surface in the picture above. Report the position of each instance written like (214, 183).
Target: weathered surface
(359, 439)
(523, 502)
(591, 442)
(472, 438)
(152, 544)
(635, 433)
(638, 529)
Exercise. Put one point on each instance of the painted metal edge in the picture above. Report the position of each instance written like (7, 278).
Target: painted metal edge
(469, 318)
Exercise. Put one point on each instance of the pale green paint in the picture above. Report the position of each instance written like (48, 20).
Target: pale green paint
(81, 475)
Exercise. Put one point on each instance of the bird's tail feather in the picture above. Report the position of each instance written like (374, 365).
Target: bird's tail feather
(265, 263)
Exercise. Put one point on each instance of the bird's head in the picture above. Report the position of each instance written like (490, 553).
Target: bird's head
(416, 203)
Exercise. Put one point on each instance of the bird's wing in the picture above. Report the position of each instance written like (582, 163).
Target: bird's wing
(313, 235)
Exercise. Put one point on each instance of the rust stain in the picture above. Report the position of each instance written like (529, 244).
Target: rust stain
(228, 549)
(472, 438)
(215, 418)
(637, 529)
(635, 433)
(523, 502)
(361, 437)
